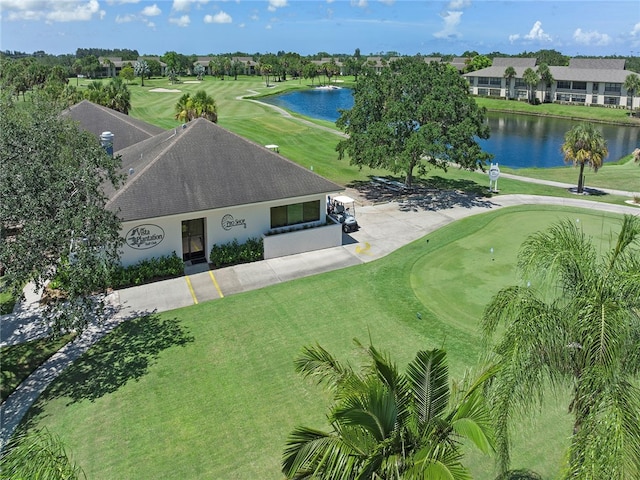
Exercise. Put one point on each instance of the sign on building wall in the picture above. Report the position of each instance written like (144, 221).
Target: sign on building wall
(143, 237)
(228, 222)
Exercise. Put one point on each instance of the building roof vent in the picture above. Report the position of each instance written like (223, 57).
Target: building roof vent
(106, 140)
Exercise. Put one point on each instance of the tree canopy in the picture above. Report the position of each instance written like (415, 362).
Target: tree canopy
(413, 115)
(574, 327)
(198, 105)
(54, 223)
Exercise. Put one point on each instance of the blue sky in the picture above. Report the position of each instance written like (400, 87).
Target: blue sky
(573, 27)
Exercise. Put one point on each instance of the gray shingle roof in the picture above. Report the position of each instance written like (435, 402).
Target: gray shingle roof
(560, 73)
(598, 63)
(203, 166)
(514, 62)
(97, 119)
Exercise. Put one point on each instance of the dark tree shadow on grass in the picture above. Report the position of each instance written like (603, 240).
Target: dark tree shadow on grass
(123, 355)
(433, 193)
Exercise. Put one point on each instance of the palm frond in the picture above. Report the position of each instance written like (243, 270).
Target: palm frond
(429, 379)
(374, 410)
(319, 363)
(312, 453)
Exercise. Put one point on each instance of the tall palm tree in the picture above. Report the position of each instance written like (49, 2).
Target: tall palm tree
(532, 79)
(584, 145)
(547, 79)
(509, 73)
(141, 68)
(387, 424)
(632, 85)
(575, 327)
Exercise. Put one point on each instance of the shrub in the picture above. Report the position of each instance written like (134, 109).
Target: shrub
(145, 271)
(234, 253)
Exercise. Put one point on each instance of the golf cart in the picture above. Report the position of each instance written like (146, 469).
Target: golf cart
(343, 210)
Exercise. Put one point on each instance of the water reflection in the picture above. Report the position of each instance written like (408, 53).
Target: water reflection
(517, 141)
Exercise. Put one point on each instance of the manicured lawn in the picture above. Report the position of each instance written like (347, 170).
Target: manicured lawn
(209, 391)
(19, 361)
(613, 115)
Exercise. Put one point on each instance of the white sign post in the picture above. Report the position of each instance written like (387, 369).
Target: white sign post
(494, 174)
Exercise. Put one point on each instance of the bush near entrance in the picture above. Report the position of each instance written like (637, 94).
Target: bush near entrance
(234, 253)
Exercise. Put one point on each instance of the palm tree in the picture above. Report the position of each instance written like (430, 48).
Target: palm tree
(141, 68)
(547, 79)
(117, 95)
(266, 69)
(532, 79)
(584, 145)
(578, 331)
(200, 105)
(509, 73)
(632, 85)
(387, 424)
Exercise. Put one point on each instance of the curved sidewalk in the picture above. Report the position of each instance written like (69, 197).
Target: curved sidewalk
(384, 228)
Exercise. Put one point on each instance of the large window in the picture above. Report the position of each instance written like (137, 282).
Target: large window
(579, 85)
(612, 87)
(564, 84)
(295, 213)
(497, 81)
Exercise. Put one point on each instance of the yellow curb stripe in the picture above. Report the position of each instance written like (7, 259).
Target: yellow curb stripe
(215, 283)
(193, 294)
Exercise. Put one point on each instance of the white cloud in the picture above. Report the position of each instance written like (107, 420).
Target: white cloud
(275, 4)
(387, 2)
(183, 21)
(636, 30)
(591, 38)
(458, 4)
(185, 5)
(151, 10)
(451, 21)
(66, 11)
(125, 18)
(359, 3)
(120, 2)
(536, 33)
(151, 25)
(220, 17)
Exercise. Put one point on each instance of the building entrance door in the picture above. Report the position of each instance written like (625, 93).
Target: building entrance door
(193, 240)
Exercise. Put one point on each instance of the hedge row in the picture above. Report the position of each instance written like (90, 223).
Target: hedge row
(234, 253)
(145, 271)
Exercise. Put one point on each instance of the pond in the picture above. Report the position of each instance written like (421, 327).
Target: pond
(517, 141)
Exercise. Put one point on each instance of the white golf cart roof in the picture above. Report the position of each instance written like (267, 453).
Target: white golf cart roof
(343, 199)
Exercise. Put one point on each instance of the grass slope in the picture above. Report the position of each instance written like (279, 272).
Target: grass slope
(209, 391)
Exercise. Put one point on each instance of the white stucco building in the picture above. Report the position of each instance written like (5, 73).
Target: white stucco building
(197, 185)
(586, 81)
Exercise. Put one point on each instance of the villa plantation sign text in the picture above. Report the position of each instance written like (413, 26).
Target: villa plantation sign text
(145, 236)
(228, 222)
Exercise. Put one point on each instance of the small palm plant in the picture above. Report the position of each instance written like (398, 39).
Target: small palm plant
(388, 424)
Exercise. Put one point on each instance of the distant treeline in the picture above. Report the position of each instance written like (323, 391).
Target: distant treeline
(546, 56)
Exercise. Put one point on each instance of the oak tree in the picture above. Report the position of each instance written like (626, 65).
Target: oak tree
(53, 223)
(412, 115)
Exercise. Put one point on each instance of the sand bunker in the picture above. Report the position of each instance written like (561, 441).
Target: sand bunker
(165, 90)
(192, 81)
